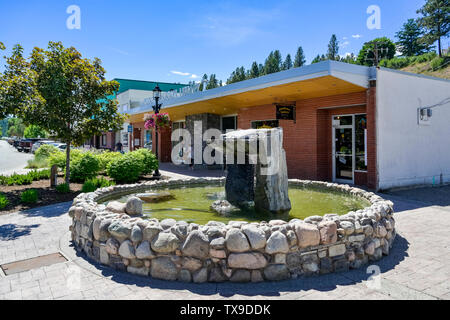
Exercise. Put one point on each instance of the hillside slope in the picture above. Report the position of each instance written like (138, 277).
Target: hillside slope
(426, 69)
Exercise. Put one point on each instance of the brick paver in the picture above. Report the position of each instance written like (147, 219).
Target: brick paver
(418, 267)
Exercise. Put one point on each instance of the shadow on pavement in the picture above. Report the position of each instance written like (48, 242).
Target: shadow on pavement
(323, 283)
(51, 211)
(14, 231)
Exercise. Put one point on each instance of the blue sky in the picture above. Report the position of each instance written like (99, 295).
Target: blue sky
(176, 41)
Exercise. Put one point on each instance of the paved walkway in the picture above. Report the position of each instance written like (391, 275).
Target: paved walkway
(11, 160)
(418, 267)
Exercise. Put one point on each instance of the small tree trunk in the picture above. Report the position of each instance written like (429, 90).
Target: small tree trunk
(439, 45)
(68, 163)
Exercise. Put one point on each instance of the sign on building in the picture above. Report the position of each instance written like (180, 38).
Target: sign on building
(285, 112)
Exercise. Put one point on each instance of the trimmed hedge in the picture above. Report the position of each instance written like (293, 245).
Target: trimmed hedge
(126, 169)
(96, 183)
(84, 168)
(149, 160)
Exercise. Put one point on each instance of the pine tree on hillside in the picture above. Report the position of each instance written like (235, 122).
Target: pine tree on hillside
(333, 48)
(287, 64)
(409, 43)
(299, 58)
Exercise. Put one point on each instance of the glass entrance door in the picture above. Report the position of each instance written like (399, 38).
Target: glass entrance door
(344, 154)
(343, 149)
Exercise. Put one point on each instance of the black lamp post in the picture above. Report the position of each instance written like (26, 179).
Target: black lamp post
(156, 109)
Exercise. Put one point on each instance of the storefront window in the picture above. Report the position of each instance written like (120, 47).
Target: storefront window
(104, 140)
(361, 142)
(148, 139)
(229, 124)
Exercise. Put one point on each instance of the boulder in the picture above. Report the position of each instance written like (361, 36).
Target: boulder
(163, 268)
(134, 206)
(277, 243)
(241, 276)
(165, 242)
(126, 250)
(251, 261)
(236, 241)
(191, 264)
(136, 234)
(112, 246)
(276, 272)
(337, 250)
(120, 230)
(307, 235)
(143, 251)
(200, 276)
(184, 276)
(155, 197)
(196, 245)
(328, 232)
(218, 243)
(223, 208)
(256, 236)
(348, 227)
(116, 207)
(151, 231)
(216, 275)
(168, 223)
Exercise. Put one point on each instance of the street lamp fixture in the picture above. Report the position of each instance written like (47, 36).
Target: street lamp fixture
(156, 109)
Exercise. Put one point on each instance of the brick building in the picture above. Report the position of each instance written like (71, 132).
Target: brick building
(348, 122)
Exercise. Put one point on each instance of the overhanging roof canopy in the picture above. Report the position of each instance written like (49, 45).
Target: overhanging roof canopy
(326, 78)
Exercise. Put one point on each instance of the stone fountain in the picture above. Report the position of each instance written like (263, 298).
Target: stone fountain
(258, 173)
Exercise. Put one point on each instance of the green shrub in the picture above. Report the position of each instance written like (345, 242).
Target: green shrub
(3, 201)
(45, 151)
(29, 196)
(59, 158)
(84, 168)
(63, 188)
(38, 163)
(149, 159)
(105, 158)
(127, 168)
(437, 63)
(93, 184)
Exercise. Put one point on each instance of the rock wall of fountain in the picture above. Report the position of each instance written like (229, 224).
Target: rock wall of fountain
(116, 236)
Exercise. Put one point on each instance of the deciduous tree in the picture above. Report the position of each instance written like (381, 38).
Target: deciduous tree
(68, 96)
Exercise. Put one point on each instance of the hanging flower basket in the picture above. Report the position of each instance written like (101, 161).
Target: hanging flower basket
(160, 120)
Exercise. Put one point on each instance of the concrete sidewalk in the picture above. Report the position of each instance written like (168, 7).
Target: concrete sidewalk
(417, 268)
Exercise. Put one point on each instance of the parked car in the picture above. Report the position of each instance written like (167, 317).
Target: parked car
(59, 145)
(25, 145)
(38, 144)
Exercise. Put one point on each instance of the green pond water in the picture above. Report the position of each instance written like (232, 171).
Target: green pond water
(193, 205)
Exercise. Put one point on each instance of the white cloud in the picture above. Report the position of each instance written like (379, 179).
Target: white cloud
(194, 76)
(345, 44)
(179, 73)
(356, 36)
(344, 38)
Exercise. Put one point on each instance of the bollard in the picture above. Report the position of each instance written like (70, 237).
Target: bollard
(54, 176)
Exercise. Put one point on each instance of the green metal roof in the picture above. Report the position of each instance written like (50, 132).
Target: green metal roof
(127, 84)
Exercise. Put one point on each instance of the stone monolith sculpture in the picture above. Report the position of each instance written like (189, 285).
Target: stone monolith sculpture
(260, 153)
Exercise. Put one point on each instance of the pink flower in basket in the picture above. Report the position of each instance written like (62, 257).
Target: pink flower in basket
(160, 120)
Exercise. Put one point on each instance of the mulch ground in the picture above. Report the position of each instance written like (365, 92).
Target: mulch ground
(46, 195)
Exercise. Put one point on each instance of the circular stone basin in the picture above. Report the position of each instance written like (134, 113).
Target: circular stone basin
(192, 204)
(236, 251)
